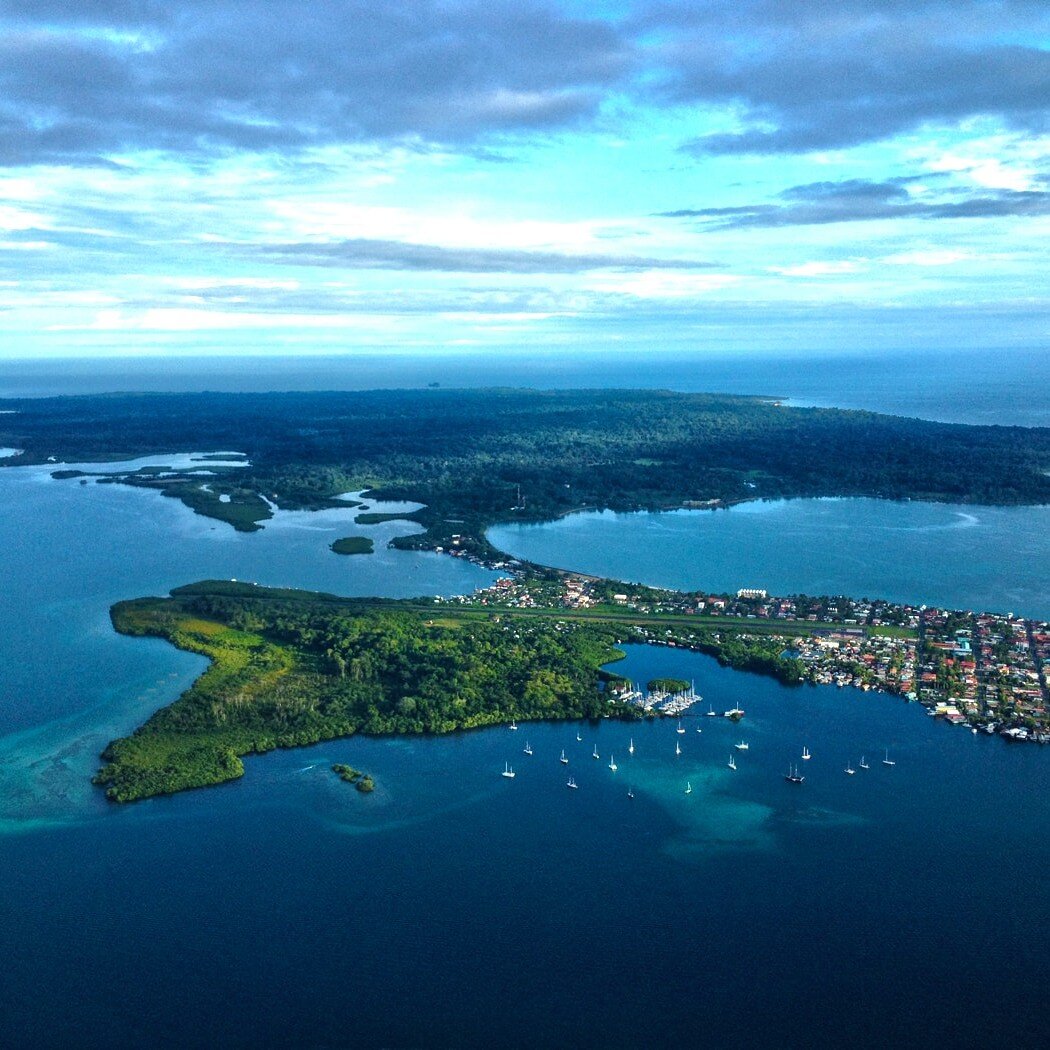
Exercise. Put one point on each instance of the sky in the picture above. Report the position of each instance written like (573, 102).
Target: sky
(336, 176)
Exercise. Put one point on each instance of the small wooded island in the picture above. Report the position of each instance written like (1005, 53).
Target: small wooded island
(353, 545)
(362, 781)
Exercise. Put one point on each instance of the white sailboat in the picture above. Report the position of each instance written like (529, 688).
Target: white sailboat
(742, 746)
(679, 729)
(688, 788)
(849, 770)
(864, 763)
(630, 750)
(887, 761)
(513, 725)
(596, 755)
(572, 784)
(732, 762)
(578, 737)
(507, 771)
(806, 756)
(630, 792)
(528, 748)
(698, 729)
(563, 760)
(677, 748)
(612, 763)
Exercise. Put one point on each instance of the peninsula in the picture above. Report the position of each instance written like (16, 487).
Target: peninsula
(291, 668)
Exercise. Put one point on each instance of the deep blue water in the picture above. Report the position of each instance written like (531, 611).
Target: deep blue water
(956, 557)
(903, 905)
(965, 386)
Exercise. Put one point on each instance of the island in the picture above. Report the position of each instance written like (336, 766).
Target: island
(353, 545)
(291, 668)
(362, 781)
(475, 458)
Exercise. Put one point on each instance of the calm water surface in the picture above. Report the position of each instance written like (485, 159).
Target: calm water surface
(456, 908)
(967, 385)
(958, 557)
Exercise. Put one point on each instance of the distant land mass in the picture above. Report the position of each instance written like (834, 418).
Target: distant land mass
(483, 456)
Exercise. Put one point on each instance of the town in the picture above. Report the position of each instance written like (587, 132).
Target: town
(982, 671)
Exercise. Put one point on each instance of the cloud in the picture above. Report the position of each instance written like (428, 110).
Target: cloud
(804, 76)
(375, 254)
(859, 200)
(928, 257)
(89, 82)
(816, 269)
(83, 81)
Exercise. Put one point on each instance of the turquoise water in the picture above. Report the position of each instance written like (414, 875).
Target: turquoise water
(957, 557)
(68, 683)
(454, 908)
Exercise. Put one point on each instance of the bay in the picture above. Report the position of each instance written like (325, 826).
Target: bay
(953, 556)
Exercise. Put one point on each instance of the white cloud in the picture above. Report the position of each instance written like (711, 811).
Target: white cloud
(927, 257)
(12, 218)
(816, 269)
(660, 284)
(989, 172)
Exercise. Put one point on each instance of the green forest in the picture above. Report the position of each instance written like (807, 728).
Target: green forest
(476, 457)
(288, 669)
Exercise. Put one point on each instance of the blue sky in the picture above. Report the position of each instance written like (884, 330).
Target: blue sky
(337, 176)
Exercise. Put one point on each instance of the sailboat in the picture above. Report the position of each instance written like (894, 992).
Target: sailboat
(507, 771)
(630, 750)
(864, 763)
(596, 755)
(513, 725)
(742, 746)
(578, 737)
(698, 729)
(688, 788)
(792, 775)
(887, 761)
(679, 729)
(806, 756)
(630, 792)
(849, 770)
(711, 713)
(732, 762)
(572, 783)
(528, 748)
(677, 748)
(612, 763)
(563, 760)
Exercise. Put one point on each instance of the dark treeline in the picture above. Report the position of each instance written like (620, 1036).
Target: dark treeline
(479, 456)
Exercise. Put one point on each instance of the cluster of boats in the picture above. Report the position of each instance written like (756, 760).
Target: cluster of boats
(792, 776)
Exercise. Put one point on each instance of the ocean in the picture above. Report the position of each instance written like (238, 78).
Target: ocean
(1007, 387)
(454, 908)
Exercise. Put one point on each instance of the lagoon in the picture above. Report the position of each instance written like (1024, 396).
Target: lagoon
(958, 557)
